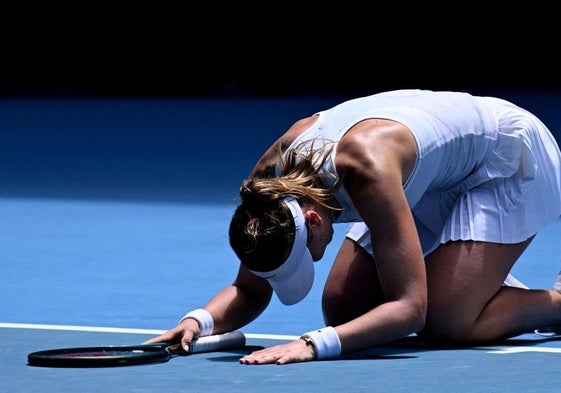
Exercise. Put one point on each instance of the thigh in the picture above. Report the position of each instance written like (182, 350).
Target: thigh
(462, 277)
(352, 287)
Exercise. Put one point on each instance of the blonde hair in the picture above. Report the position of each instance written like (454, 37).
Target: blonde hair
(262, 228)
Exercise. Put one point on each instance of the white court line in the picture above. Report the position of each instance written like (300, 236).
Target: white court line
(124, 330)
(501, 350)
(510, 350)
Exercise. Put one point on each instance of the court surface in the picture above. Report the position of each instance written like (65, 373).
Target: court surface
(114, 224)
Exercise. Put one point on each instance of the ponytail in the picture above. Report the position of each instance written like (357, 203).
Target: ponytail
(262, 228)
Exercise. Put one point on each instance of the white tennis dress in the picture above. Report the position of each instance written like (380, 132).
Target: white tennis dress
(486, 169)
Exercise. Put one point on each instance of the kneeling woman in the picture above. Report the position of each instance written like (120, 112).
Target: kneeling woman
(444, 190)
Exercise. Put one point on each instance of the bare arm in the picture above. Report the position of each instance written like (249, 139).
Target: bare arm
(377, 155)
(266, 164)
(240, 303)
(231, 308)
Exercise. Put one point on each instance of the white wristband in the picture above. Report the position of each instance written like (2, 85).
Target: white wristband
(326, 342)
(203, 317)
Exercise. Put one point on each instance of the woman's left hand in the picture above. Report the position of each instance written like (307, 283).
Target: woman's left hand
(292, 352)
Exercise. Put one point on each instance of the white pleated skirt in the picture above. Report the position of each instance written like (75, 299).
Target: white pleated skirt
(512, 197)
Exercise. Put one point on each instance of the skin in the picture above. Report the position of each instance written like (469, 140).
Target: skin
(454, 295)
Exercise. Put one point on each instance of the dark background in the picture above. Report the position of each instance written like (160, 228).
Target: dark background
(189, 48)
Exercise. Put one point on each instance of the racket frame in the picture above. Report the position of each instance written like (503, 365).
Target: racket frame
(101, 356)
(129, 355)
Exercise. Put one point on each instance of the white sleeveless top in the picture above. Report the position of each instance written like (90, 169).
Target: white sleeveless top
(483, 165)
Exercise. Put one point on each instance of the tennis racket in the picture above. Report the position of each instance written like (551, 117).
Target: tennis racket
(130, 355)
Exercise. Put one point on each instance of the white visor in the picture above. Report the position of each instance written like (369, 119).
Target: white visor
(293, 280)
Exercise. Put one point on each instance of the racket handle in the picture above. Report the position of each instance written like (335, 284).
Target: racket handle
(235, 339)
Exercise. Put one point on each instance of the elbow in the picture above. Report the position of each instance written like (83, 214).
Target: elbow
(419, 316)
(257, 298)
(414, 314)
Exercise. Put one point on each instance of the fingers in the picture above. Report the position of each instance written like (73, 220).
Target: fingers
(164, 338)
(178, 334)
(151, 341)
(292, 352)
(186, 342)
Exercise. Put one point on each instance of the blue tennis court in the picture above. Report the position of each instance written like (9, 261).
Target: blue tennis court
(114, 224)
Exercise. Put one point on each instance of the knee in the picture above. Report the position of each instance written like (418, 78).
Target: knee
(335, 308)
(448, 330)
(340, 306)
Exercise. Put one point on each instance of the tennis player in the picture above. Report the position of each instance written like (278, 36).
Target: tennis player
(444, 191)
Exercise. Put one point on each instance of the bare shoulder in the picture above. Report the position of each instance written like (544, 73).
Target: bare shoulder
(268, 161)
(377, 145)
(375, 157)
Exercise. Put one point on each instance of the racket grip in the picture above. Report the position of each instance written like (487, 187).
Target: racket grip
(234, 339)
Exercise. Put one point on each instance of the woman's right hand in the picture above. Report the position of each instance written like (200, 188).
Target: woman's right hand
(183, 333)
